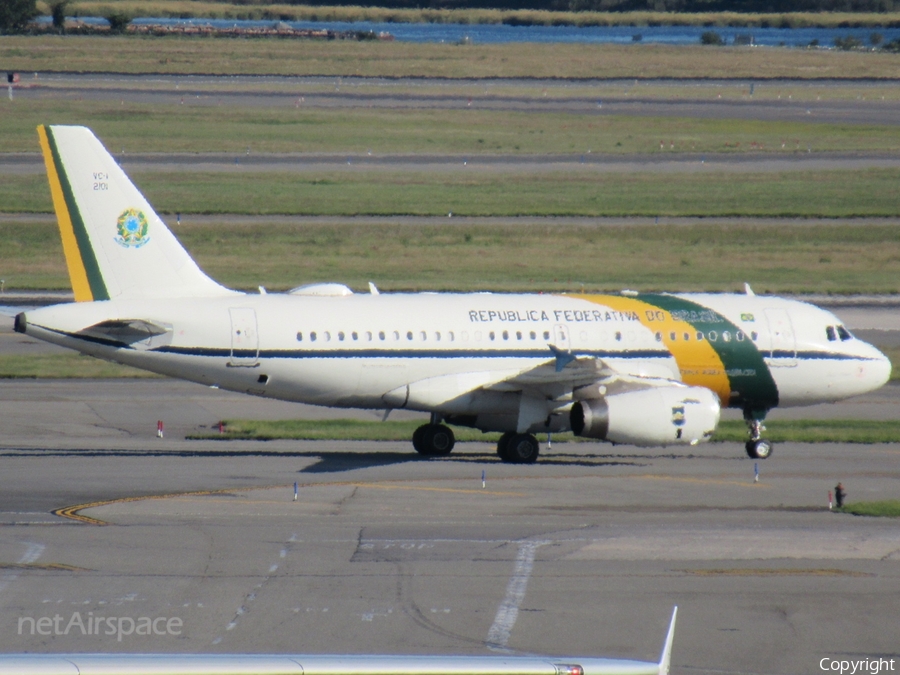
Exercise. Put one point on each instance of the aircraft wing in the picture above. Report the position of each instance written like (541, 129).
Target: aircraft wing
(547, 387)
(337, 664)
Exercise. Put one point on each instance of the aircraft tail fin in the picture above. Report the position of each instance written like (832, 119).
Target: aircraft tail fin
(665, 658)
(116, 246)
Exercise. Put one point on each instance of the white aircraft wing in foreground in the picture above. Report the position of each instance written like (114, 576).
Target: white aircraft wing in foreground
(305, 664)
(639, 368)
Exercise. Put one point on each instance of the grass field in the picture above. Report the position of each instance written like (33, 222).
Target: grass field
(828, 194)
(69, 365)
(136, 127)
(838, 258)
(732, 431)
(404, 59)
(885, 509)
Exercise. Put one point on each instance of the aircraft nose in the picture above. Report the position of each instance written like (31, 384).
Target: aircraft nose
(875, 372)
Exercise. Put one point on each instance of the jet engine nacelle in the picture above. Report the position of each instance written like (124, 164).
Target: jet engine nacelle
(669, 415)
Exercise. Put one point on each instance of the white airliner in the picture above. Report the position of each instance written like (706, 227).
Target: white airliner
(335, 664)
(637, 368)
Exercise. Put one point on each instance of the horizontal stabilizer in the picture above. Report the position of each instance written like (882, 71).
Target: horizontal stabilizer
(126, 331)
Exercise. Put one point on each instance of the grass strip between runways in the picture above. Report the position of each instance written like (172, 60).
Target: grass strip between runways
(453, 255)
(889, 508)
(803, 194)
(797, 431)
(372, 58)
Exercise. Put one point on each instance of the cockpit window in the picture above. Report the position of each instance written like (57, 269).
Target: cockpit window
(844, 333)
(829, 333)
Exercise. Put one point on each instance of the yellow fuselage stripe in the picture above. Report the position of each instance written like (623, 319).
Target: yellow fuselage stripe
(77, 273)
(697, 361)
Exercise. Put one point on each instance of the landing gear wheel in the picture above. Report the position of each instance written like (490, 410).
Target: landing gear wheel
(417, 439)
(759, 449)
(433, 440)
(521, 449)
(503, 443)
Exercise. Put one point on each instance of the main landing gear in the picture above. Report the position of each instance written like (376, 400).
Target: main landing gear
(757, 447)
(433, 440)
(518, 448)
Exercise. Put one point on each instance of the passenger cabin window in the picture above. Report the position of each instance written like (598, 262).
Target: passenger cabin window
(327, 335)
(450, 336)
(341, 336)
(312, 336)
(299, 337)
(492, 335)
(754, 335)
(532, 335)
(830, 334)
(354, 335)
(423, 335)
(546, 334)
(699, 336)
(506, 335)
(843, 333)
(381, 335)
(618, 336)
(409, 335)
(658, 336)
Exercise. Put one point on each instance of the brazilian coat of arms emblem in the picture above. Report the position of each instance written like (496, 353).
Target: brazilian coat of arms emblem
(132, 229)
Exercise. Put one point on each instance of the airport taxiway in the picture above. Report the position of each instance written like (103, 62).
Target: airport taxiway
(584, 553)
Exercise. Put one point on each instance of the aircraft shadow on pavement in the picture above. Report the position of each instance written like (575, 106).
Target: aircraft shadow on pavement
(337, 461)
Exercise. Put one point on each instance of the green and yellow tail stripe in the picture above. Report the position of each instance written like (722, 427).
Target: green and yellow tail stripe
(84, 272)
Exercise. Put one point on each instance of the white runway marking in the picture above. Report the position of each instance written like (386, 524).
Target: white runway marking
(508, 612)
(32, 553)
(251, 596)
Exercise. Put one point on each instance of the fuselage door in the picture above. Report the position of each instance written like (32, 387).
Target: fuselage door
(244, 337)
(783, 342)
(561, 337)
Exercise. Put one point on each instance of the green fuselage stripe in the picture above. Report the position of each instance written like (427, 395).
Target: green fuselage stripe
(752, 384)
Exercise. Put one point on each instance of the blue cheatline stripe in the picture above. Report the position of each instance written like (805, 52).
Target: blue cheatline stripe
(432, 354)
(405, 354)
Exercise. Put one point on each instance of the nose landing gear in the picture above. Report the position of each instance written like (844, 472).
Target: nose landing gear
(757, 447)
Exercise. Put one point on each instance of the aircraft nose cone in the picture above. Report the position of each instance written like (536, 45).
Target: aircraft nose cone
(879, 371)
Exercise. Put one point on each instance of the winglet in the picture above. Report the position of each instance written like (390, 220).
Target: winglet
(666, 656)
(748, 290)
(562, 358)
